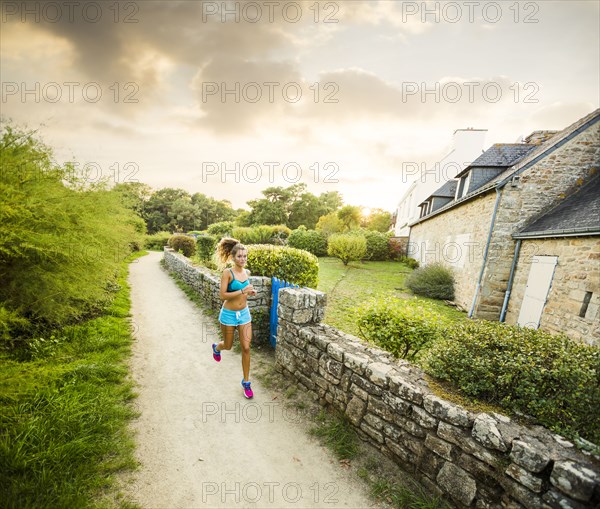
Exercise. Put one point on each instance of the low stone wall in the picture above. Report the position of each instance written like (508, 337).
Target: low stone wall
(482, 460)
(206, 283)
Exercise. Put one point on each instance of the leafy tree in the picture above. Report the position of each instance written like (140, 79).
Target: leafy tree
(134, 196)
(350, 216)
(347, 247)
(158, 206)
(378, 220)
(329, 224)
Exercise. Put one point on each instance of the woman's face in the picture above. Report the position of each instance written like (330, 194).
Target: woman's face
(241, 257)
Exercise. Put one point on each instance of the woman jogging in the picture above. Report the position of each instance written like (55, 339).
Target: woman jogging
(234, 291)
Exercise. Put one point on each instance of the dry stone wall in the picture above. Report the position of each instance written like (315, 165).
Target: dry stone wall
(482, 460)
(206, 284)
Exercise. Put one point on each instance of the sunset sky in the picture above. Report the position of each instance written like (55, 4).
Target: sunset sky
(229, 98)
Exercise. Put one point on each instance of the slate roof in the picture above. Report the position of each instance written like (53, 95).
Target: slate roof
(578, 214)
(448, 190)
(500, 155)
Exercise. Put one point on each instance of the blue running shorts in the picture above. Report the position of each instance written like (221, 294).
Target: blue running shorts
(235, 318)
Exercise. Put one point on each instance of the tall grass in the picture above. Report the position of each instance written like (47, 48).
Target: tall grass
(64, 413)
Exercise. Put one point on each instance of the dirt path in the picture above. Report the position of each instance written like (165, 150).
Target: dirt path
(199, 442)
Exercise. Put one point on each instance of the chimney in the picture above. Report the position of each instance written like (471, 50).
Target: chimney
(539, 137)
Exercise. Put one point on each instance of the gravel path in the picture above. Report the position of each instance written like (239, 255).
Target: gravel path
(199, 442)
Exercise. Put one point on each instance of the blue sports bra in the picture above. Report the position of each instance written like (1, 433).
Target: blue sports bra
(235, 285)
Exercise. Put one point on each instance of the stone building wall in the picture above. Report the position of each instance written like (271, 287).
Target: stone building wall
(206, 284)
(577, 272)
(539, 189)
(456, 238)
(482, 460)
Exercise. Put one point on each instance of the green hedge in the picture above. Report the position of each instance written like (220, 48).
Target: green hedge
(377, 245)
(313, 241)
(435, 281)
(263, 234)
(221, 229)
(399, 326)
(550, 377)
(205, 245)
(293, 265)
(157, 241)
(184, 244)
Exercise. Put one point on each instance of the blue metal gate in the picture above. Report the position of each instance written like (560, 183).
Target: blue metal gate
(276, 284)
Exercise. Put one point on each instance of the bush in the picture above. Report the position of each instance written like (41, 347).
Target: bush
(434, 281)
(411, 262)
(293, 265)
(377, 245)
(549, 377)
(399, 326)
(263, 234)
(183, 244)
(206, 246)
(280, 234)
(221, 229)
(347, 247)
(157, 241)
(313, 241)
(396, 250)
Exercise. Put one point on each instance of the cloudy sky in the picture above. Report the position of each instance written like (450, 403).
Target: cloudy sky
(229, 98)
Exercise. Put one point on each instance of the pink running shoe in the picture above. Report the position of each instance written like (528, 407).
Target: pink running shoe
(216, 353)
(247, 390)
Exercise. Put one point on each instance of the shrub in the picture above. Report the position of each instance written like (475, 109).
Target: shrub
(396, 250)
(399, 326)
(549, 377)
(221, 229)
(183, 244)
(206, 246)
(313, 241)
(293, 265)
(263, 234)
(377, 245)
(411, 262)
(157, 240)
(434, 281)
(280, 233)
(347, 247)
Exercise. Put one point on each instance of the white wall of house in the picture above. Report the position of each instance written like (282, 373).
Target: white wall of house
(467, 145)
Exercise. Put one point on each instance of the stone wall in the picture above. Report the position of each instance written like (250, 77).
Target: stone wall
(482, 460)
(206, 283)
(577, 272)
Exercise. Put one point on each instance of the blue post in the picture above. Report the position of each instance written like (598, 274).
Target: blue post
(276, 285)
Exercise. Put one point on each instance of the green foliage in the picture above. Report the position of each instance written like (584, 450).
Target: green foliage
(411, 262)
(221, 229)
(336, 431)
(347, 247)
(350, 217)
(435, 281)
(399, 326)
(61, 238)
(184, 244)
(263, 234)
(531, 371)
(157, 241)
(377, 245)
(313, 241)
(206, 246)
(64, 414)
(293, 265)
(330, 224)
(11, 325)
(378, 220)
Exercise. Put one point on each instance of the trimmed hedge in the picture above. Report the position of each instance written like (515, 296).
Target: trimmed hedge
(435, 281)
(313, 241)
(399, 326)
(157, 241)
(205, 245)
(293, 265)
(184, 244)
(377, 245)
(549, 377)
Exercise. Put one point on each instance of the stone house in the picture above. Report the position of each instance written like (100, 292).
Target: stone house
(522, 233)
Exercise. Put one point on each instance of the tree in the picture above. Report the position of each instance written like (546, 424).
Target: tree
(378, 220)
(350, 216)
(329, 224)
(134, 196)
(158, 206)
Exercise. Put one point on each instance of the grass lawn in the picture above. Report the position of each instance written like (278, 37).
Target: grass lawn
(347, 287)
